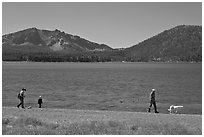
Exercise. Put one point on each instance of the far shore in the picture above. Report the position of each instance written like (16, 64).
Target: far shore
(167, 62)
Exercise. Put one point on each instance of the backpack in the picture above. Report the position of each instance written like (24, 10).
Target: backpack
(19, 96)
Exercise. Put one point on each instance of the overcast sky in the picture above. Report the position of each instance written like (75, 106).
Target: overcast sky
(115, 24)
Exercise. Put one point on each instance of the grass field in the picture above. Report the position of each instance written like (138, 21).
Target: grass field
(49, 121)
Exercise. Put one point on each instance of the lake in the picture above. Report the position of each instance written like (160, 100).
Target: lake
(104, 86)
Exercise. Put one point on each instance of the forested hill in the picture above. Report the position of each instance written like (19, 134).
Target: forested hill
(182, 43)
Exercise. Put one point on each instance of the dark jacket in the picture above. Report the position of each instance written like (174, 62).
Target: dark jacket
(40, 101)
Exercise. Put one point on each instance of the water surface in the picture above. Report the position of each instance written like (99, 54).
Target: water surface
(104, 86)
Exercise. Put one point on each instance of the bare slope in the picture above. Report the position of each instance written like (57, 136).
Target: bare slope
(36, 37)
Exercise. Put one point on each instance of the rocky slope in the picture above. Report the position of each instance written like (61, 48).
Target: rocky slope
(54, 40)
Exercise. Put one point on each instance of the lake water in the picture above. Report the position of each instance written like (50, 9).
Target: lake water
(104, 86)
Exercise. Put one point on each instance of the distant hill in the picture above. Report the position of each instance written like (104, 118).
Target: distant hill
(54, 40)
(182, 43)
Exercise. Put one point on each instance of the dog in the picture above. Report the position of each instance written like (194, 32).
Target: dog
(29, 107)
(174, 109)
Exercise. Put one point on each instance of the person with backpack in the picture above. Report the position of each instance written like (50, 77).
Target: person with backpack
(40, 101)
(21, 97)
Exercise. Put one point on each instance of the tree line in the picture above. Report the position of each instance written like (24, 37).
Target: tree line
(95, 57)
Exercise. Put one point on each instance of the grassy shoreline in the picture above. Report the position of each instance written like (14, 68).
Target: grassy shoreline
(71, 121)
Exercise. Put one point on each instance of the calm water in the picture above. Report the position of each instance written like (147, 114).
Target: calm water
(104, 86)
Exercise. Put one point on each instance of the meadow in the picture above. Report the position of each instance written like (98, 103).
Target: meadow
(104, 86)
(50, 121)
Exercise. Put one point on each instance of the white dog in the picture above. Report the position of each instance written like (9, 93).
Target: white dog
(174, 109)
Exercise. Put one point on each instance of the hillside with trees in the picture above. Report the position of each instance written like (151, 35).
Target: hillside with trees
(180, 44)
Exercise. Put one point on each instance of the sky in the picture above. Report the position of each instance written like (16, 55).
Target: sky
(116, 24)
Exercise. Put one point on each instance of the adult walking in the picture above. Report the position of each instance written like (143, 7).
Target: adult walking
(40, 101)
(153, 101)
(21, 97)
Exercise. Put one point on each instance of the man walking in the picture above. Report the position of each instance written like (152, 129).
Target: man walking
(40, 101)
(21, 97)
(153, 101)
